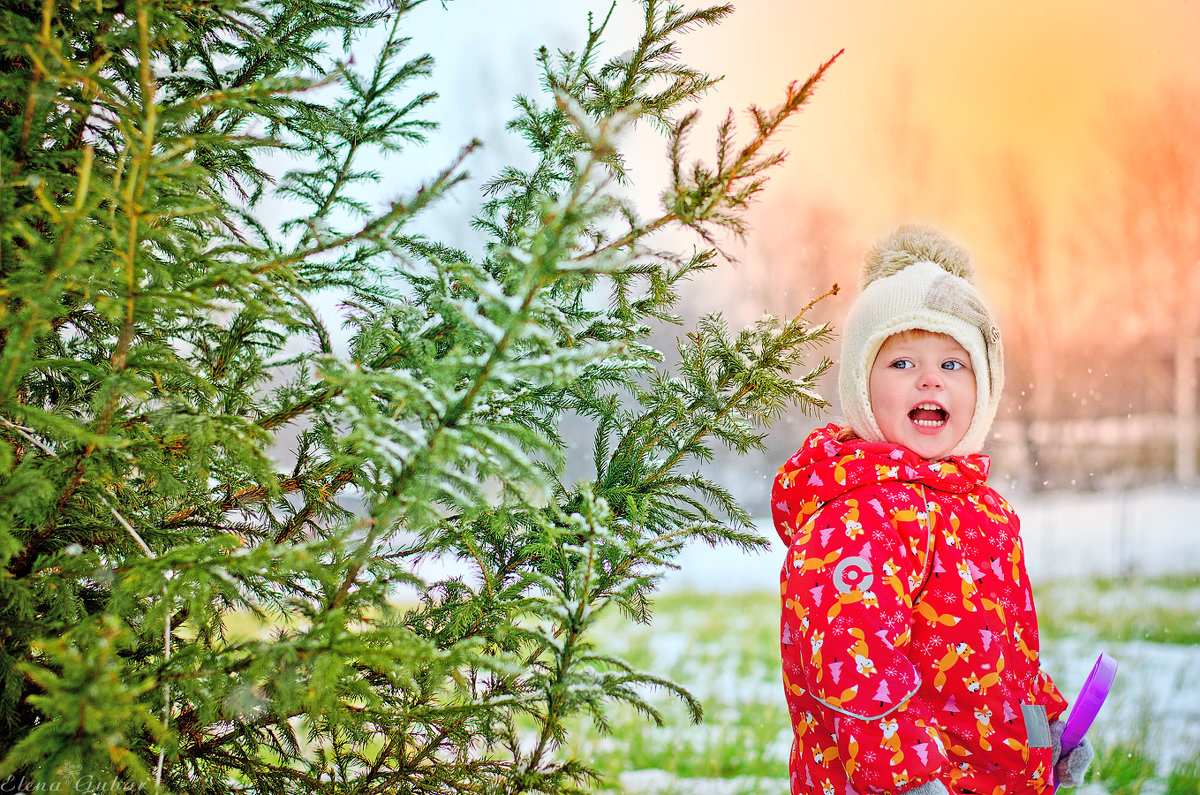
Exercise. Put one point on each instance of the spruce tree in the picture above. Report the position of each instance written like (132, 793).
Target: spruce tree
(159, 342)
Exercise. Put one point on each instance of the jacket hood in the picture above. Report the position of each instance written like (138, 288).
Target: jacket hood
(826, 468)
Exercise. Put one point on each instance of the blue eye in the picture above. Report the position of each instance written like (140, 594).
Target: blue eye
(952, 364)
(901, 364)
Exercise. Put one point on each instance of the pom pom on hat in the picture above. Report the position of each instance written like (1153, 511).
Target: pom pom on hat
(913, 243)
(916, 278)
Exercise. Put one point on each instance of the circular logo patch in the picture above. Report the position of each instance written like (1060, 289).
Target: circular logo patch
(851, 573)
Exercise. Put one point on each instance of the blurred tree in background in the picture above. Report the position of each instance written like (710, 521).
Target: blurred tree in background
(158, 336)
(1158, 232)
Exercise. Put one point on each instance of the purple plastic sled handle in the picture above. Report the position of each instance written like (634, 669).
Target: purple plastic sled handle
(1088, 703)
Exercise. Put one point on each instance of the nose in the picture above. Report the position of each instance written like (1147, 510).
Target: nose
(932, 377)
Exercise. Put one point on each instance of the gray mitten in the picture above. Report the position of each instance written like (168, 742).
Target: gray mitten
(928, 788)
(1069, 770)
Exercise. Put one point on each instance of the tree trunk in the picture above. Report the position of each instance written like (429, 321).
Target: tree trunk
(1186, 432)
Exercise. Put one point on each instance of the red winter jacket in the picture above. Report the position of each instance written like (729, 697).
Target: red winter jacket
(908, 633)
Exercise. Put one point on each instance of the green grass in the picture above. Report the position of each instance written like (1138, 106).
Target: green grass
(739, 747)
(1184, 779)
(1123, 768)
(725, 651)
(724, 648)
(1159, 610)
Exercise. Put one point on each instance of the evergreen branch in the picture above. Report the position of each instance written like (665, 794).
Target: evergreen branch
(97, 57)
(381, 85)
(135, 188)
(376, 228)
(533, 280)
(708, 197)
(46, 42)
(148, 327)
(27, 434)
(450, 419)
(121, 520)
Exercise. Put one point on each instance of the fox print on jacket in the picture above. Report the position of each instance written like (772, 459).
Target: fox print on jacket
(908, 633)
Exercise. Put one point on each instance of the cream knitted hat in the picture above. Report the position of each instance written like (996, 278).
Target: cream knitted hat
(916, 278)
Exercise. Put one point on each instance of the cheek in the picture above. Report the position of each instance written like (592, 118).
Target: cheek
(884, 396)
(877, 393)
(968, 397)
(881, 382)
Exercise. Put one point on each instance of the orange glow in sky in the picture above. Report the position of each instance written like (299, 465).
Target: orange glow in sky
(932, 99)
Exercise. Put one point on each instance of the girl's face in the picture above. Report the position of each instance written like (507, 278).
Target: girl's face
(923, 392)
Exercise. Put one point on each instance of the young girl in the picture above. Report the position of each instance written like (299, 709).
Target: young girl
(908, 632)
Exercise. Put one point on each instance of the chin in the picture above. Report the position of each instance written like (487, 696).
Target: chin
(929, 449)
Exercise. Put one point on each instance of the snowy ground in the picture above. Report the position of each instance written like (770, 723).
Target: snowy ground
(1155, 705)
(1145, 531)
(1156, 698)
(656, 782)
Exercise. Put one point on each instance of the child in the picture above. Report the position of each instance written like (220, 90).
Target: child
(908, 633)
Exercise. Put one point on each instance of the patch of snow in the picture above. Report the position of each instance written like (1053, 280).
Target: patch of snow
(1149, 531)
(660, 782)
(1155, 699)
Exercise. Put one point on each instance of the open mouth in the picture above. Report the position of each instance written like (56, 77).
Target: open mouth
(929, 415)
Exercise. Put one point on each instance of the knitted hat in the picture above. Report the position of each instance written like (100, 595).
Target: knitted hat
(915, 278)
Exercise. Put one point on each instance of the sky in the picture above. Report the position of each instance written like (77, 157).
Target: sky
(931, 97)
(929, 103)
